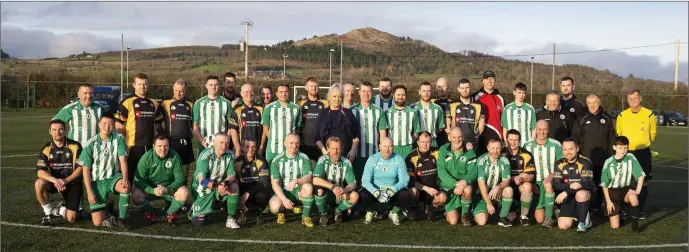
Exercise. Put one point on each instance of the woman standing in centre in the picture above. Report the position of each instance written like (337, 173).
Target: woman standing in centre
(336, 121)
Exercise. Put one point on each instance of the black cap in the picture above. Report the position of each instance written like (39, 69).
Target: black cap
(487, 74)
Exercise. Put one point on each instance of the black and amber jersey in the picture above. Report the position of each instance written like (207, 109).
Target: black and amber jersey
(59, 162)
(444, 104)
(139, 116)
(177, 118)
(520, 163)
(249, 121)
(467, 117)
(566, 173)
(310, 110)
(249, 173)
(423, 168)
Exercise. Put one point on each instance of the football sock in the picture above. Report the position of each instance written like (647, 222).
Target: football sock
(47, 208)
(634, 211)
(168, 197)
(582, 210)
(526, 203)
(320, 203)
(344, 205)
(123, 205)
(262, 200)
(505, 207)
(306, 202)
(403, 199)
(465, 206)
(395, 210)
(232, 200)
(174, 206)
(642, 198)
(549, 204)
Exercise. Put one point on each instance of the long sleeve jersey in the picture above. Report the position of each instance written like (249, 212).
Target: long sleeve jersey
(385, 173)
(153, 170)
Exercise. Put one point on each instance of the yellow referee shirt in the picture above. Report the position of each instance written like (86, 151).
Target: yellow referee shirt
(639, 127)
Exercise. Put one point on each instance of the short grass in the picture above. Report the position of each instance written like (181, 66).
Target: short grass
(23, 133)
(212, 67)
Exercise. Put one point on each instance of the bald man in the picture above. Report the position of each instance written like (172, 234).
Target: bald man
(247, 114)
(348, 95)
(457, 173)
(443, 100)
(546, 151)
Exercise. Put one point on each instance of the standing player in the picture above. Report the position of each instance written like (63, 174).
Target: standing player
(423, 176)
(403, 122)
(559, 123)
(254, 181)
(310, 108)
(467, 115)
(57, 171)
(159, 176)
(457, 173)
(573, 181)
(136, 119)
(372, 125)
(266, 96)
(568, 100)
(385, 179)
(178, 124)
(523, 172)
(334, 181)
(348, 95)
(638, 124)
(494, 185)
(616, 181)
(215, 180)
(291, 180)
(545, 152)
(431, 115)
(104, 164)
(493, 103)
(248, 116)
(519, 115)
(229, 82)
(384, 99)
(443, 100)
(213, 114)
(279, 118)
(82, 115)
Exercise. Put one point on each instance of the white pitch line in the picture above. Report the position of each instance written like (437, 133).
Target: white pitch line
(673, 167)
(337, 244)
(27, 117)
(23, 155)
(670, 132)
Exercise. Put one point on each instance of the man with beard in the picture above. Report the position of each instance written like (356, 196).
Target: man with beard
(493, 103)
(229, 93)
(568, 100)
(266, 96)
(573, 181)
(403, 121)
(467, 115)
(384, 99)
(431, 115)
(444, 101)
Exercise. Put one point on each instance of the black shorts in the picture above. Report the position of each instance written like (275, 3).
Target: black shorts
(568, 208)
(134, 154)
(71, 195)
(425, 197)
(184, 148)
(617, 197)
(645, 160)
(311, 151)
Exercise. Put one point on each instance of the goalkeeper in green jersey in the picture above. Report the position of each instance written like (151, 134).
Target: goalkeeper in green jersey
(618, 173)
(494, 185)
(335, 182)
(159, 175)
(457, 173)
(291, 181)
(214, 180)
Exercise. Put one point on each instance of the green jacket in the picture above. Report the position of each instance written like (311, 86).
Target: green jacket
(153, 171)
(454, 167)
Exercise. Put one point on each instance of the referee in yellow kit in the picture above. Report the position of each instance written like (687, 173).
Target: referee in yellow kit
(638, 124)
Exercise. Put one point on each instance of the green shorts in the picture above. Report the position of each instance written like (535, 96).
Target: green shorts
(480, 205)
(453, 201)
(102, 188)
(330, 198)
(291, 195)
(541, 195)
(403, 151)
(204, 204)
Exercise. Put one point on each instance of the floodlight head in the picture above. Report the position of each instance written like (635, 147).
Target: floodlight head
(332, 50)
(129, 47)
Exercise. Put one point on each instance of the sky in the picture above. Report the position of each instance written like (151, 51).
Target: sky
(58, 29)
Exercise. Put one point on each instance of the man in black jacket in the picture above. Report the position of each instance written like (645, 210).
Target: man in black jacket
(559, 123)
(595, 134)
(569, 104)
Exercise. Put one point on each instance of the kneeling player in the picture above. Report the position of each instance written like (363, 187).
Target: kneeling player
(494, 185)
(291, 181)
(254, 181)
(573, 181)
(616, 181)
(523, 171)
(385, 179)
(214, 180)
(160, 175)
(423, 176)
(331, 175)
(58, 171)
(457, 172)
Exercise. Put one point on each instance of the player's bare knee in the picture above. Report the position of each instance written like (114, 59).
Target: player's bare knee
(540, 215)
(467, 193)
(414, 192)
(71, 218)
(526, 188)
(182, 194)
(234, 188)
(548, 187)
(481, 219)
(582, 196)
(452, 221)
(320, 192)
(353, 197)
(441, 198)
(306, 190)
(41, 185)
(564, 224)
(507, 192)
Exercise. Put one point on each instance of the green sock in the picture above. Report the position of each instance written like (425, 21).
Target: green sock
(465, 206)
(344, 205)
(321, 204)
(549, 201)
(168, 197)
(306, 202)
(232, 200)
(174, 206)
(124, 205)
(525, 208)
(395, 210)
(505, 207)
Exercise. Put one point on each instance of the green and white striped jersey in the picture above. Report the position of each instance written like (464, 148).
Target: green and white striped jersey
(493, 173)
(213, 168)
(371, 120)
(383, 104)
(287, 168)
(82, 121)
(213, 116)
(619, 173)
(402, 124)
(544, 156)
(340, 174)
(103, 157)
(432, 118)
(281, 121)
(522, 118)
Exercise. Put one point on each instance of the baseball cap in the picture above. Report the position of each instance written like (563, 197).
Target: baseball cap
(487, 74)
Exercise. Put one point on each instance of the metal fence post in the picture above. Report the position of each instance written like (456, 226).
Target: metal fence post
(16, 99)
(34, 96)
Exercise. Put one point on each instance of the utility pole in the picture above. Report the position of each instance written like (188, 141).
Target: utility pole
(553, 85)
(341, 50)
(121, 63)
(246, 48)
(331, 65)
(128, 47)
(284, 68)
(531, 88)
(677, 65)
